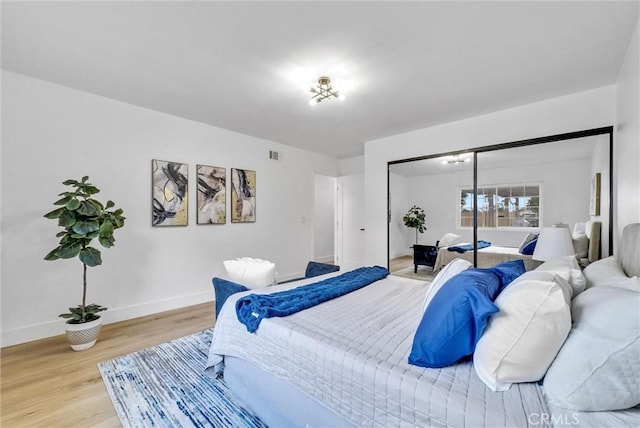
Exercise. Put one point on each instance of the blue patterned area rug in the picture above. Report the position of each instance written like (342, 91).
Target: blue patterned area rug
(165, 386)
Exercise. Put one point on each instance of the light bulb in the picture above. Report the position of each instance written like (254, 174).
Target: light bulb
(342, 96)
(313, 102)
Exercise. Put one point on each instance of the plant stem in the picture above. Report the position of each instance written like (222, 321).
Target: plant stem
(84, 289)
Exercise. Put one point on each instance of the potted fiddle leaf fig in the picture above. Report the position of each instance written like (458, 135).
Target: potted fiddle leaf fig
(415, 218)
(83, 219)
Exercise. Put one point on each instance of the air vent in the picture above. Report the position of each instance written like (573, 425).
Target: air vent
(273, 155)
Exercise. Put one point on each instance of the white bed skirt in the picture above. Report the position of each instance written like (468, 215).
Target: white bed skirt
(276, 402)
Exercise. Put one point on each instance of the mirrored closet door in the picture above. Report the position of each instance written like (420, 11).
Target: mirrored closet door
(491, 199)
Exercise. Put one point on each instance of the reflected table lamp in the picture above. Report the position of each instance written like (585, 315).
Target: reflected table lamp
(553, 243)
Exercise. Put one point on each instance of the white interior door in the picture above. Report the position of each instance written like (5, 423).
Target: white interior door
(350, 221)
(324, 218)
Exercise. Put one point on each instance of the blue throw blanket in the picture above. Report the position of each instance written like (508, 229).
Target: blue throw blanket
(468, 247)
(253, 308)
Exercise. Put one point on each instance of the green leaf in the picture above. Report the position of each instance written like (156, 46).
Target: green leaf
(67, 219)
(63, 201)
(106, 229)
(55, 213)
(85, 178)
(73, 204)
(76, 311)
(92, 235)
(107, 241)
(110, 204)
(84, 227)
(69, 251)
(96, 204)
(88, 209)
(61, 233)
(90, 256)
(66, 315)
(52, 255)
(70, 182)
(91, 190)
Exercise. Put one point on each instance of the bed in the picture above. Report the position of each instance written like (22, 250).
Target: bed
(344, 363)
(488, 256)
(587, 247)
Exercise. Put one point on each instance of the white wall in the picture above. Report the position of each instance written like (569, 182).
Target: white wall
(627, 142)
(324, 218)
(352, 166)
(584, 110)
(51, 133)
(561, 182)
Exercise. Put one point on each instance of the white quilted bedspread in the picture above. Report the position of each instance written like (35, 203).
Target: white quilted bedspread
(351, 354)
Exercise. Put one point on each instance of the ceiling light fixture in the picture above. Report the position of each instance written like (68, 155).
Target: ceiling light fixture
(323, 90)
(454, 160)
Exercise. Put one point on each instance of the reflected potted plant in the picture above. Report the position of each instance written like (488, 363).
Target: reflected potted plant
(415, 218)
(83, 219)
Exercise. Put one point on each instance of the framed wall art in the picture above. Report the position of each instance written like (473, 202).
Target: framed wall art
(594, 206)
(243, 196)
(169, 182)
(212, 199)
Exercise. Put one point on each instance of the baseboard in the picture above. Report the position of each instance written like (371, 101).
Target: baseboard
(282, 278)
(325, 259)
(56, 327)
(400, 254)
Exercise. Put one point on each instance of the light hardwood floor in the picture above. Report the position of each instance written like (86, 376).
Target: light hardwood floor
(46, 384)
(400, 263)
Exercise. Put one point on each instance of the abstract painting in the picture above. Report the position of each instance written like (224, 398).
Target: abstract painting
(170, 181)
(212, 198)
(243, 196)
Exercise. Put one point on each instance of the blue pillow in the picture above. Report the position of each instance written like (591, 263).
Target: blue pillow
(224, 289)
(527, 250)
(455, 319)
(507, 271)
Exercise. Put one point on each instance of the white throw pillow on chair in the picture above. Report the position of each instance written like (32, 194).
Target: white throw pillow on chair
(250, 272)
(448, 239)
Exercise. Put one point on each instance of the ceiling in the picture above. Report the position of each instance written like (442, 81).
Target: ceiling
(536, 154)
(247, 66)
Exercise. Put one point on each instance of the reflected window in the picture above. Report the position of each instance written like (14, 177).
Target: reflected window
(502, 206)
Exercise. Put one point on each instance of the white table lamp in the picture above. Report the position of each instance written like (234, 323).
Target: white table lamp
(553, 243)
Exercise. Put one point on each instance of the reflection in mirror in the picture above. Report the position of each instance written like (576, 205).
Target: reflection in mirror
(430, 184)
(522, 187)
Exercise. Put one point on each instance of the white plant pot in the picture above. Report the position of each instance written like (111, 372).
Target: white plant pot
(83, 336)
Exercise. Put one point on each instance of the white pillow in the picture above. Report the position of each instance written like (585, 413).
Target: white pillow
(452, 268)
(587, 228)
(604, 272)
(522, 340)
(598, 368)
(564, 266)
(632, 284)
(252, 273)
(580, 245)
(580, 228)
(448, 239)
